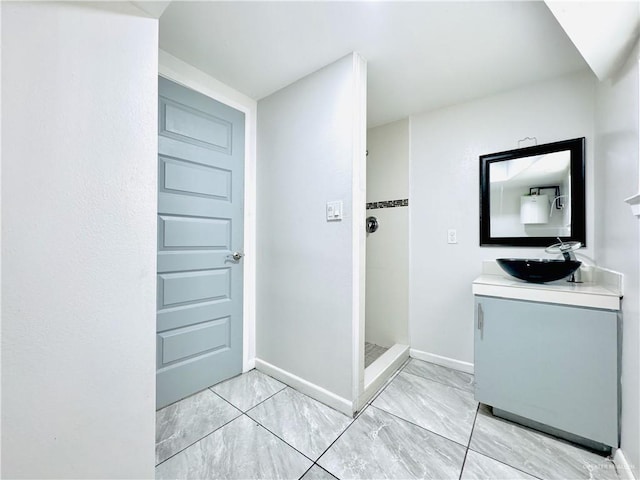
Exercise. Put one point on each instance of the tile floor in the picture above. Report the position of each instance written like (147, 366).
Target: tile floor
(372, 352)
(423, 424)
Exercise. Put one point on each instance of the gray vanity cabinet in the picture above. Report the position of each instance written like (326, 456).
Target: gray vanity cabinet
(553, 364)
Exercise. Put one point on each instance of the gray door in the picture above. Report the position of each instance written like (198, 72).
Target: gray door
(200, 213)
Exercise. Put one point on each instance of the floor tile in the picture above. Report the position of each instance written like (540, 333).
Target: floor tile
(479, 467)
(241, 449)
(249, 389)
(445, 410)
(187, 421)
(317, 473)
(379, 445)
(536, 453)
(437, 373)
(302, 422)
(372, 352)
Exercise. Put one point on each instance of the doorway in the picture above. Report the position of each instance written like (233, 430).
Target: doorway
(387, 252)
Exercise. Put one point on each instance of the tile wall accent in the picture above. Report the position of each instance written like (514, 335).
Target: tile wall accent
(388, 204)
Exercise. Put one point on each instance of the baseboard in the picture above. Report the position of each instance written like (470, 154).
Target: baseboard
(440, 360)
(311, 389)
(625, 472)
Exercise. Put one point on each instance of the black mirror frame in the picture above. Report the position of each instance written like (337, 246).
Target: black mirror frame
(578, 205)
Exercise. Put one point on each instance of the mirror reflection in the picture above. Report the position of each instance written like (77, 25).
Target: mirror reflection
(531, 196)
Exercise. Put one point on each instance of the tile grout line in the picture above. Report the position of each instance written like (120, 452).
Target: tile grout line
(187, 397)
(438, 381)
(313, 462)
(306, 471)
(398, 372)
(420, 426)
(202, 438)
(316, 464)
(268, 398)
(466, 452)
(241, 412)
(473, 426)
(366, 406)
(279, 438)
(252, 407)
(383, 411)
(337, 438)
(484, 454)
(534, 431)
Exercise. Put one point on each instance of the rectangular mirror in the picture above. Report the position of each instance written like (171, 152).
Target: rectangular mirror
(533, 195)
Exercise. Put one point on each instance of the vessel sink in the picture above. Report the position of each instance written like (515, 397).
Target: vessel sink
(539, 270)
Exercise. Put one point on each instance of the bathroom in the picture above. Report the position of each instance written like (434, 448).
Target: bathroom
(443, 144)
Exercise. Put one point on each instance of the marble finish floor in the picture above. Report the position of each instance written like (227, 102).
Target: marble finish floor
(423, 424)
(372, 352)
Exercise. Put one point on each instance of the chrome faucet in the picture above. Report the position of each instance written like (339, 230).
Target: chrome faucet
(567, 249)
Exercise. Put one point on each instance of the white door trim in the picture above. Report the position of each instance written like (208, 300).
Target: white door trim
(181, 72)
(359, 196)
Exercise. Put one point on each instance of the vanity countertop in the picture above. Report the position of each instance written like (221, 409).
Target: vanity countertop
(601, 288)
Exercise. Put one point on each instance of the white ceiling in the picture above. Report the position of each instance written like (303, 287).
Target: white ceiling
(421, 55)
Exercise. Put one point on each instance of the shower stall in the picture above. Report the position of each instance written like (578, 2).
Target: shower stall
(387, 252)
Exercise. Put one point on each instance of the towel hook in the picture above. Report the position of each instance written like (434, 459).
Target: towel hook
(535, 140)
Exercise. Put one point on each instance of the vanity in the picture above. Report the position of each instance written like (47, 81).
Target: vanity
(547, 355)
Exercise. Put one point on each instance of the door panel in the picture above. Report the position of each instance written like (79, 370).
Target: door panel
(187, 341)
(180, 204)
(170, 261)
(200, 213)
(186, 177)
(173, 318)
(188, 287)
(182, 233)
(194, 126)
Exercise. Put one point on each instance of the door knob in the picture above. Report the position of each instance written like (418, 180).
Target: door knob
(237, 255)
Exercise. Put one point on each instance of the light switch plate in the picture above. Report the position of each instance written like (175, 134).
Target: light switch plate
(334, 210)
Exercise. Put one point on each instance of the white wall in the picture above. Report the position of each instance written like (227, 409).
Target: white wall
(444, 193)
(618, 231)
(387, 283)
(181, 72)
(305, 265)
(79, 112)
(603, 32)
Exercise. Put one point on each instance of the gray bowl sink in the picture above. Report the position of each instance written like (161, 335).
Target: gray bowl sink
(538, 270)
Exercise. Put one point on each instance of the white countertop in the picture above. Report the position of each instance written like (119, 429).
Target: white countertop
(604, 290)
